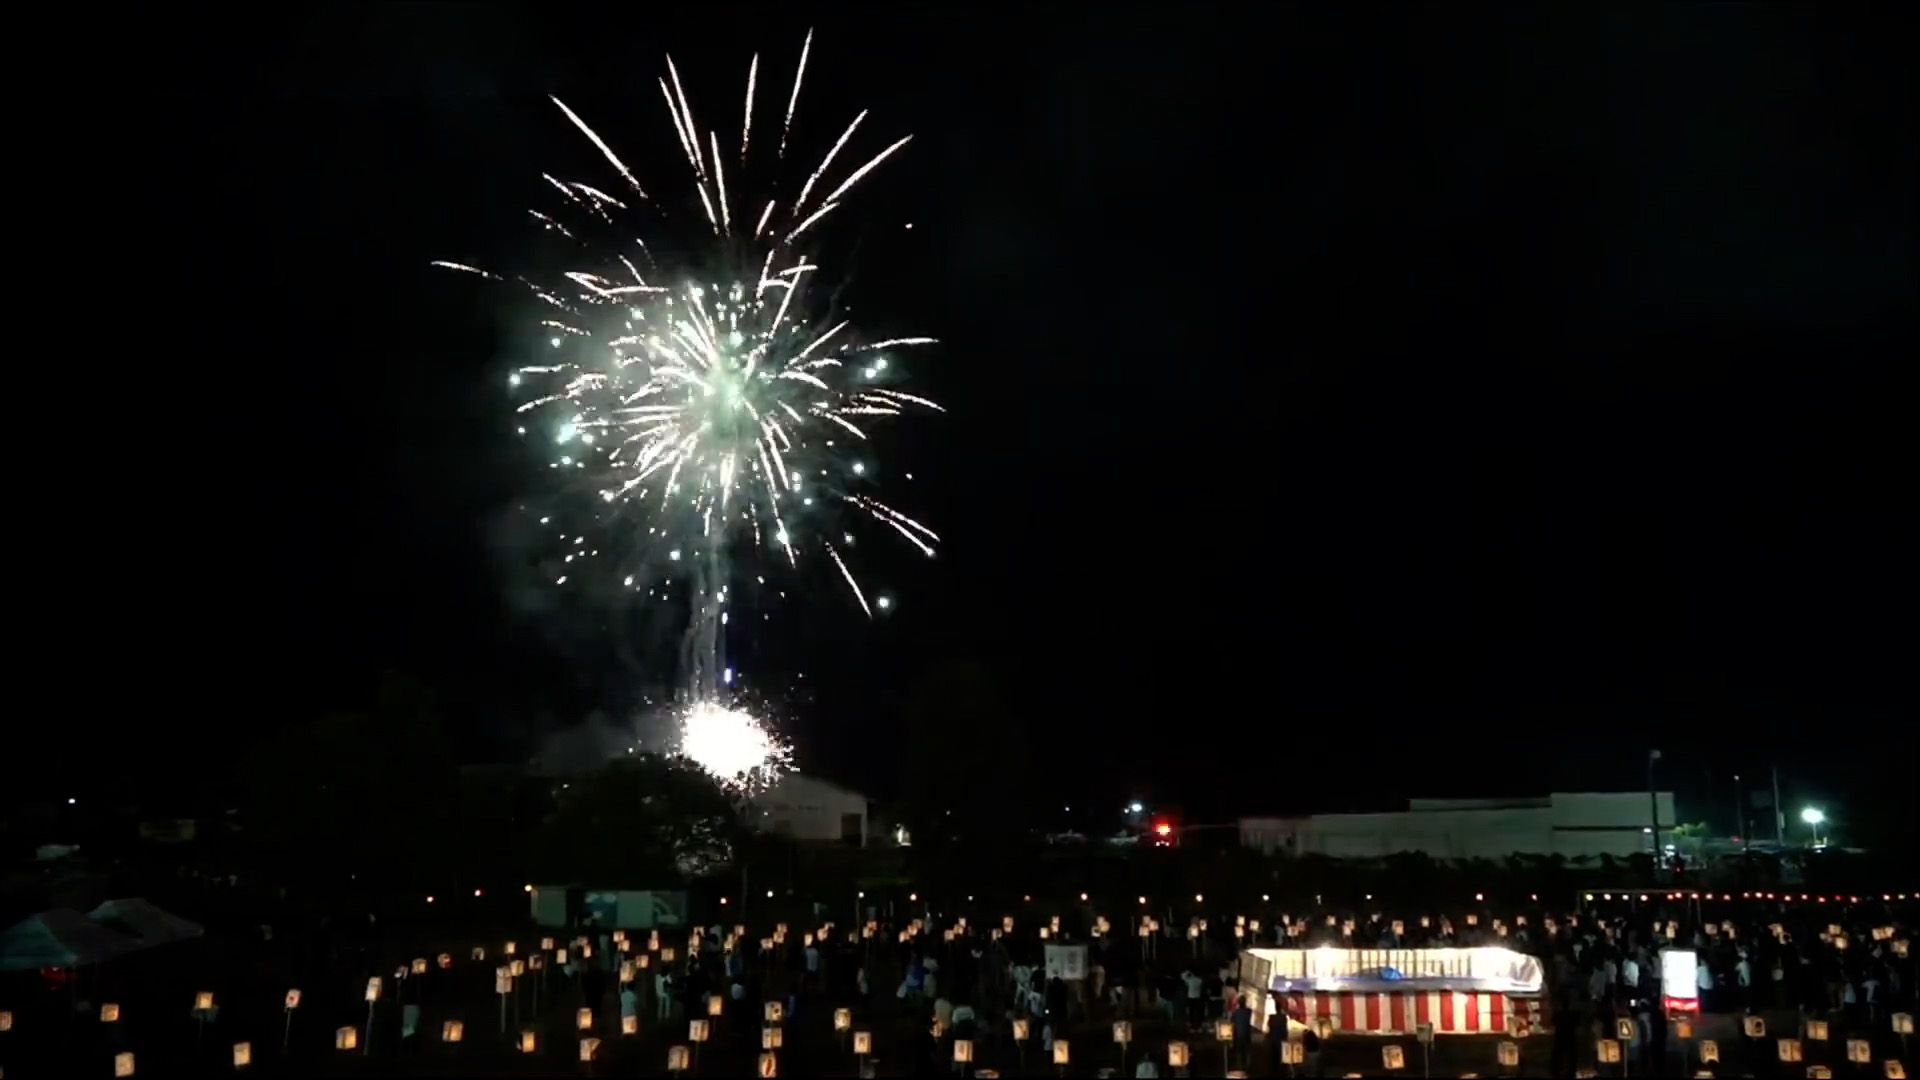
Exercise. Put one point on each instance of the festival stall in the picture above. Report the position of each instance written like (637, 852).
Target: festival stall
(1477, 991)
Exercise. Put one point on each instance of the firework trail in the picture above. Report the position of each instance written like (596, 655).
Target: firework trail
(714, 405)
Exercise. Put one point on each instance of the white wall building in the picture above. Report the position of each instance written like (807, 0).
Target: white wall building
(1567, 824)
(810, 809)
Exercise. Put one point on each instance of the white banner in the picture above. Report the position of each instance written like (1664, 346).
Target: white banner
(1067, 962)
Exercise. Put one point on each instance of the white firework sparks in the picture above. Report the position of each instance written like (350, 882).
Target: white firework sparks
(733, 746)
(722, 403)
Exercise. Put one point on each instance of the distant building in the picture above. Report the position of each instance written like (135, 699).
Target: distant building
(811, 810)
(1565, 824)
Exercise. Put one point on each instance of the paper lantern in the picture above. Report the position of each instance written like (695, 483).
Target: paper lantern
(1177, 1055)
(560, 956)
(629, 1025)
(1894, 1070)
(1709, 1052)
(666, 956)
(203, 1001)
(451, 1031)
(6, 1020)
(862, 1043)
(242, 1055)
(1817, 1030)
(1293, 1052)
(1393, 1058)
(696, 1031)
(517, 968)
(123, 1064)
(771, 1037)
(583, 1019)
(1223, 1030)
(510, 948)
(1682, 1028)
(644, 962)
(589, 1048)
(546, 944)
(1859, 1051)
(1900, 948)
(939, 1029)
(676, 1059)
(1903, 1023)
(1623, 1030)
(986, 1074)
(1517, 1027)
(1122, 1032)
(774, 1012)
(109, 1014)
(503, 982)
(529, 1042)
(1322, 1026)
(478, 953)
(1399, 927)
(373, 988)
(1020, 1030)
(1509, 1055)
(769, 1065)
(842, 1019)
(420, 966)
(1061, 1055)
(1819, 1072)
(346, 1038)
(536, 962)
(1755, 1027)
(1790, 1052)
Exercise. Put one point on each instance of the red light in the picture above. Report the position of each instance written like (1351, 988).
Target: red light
(1163, 829)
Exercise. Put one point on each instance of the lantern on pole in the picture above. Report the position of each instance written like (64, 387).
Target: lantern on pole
(771, 1037)
(1177, 1055)
(1608, 1051)
(1754, 1027)
(1062, 1056)
(862, 1043)
(1509, 1054)
(346, 1038)
(629, 1024)
(774, 1012)
(1859, 1052)
(242, 1055)
(420, 965)
(109, 1014)
(529, 1041)
(769, 1065)
(676, 1059)
(583, 1019)
(1790, 1051)
(696, 1031)
(1709, 1052)
(589, 1048)
(963, 1051)
(1393, 1058)
(123, 1064)
(452, 1031)
(842, 1020)
(203, 1002)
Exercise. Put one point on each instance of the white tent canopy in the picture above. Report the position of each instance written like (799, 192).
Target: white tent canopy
(61, 938)
(148, 924)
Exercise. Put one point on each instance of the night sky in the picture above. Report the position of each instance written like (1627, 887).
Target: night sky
(1344, 405)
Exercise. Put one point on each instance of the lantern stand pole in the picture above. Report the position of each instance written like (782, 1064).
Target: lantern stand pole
(367, 1050)
(503, 1013)
(286, 1032)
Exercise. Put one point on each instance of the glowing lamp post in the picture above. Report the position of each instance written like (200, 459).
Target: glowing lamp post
(1814, 819)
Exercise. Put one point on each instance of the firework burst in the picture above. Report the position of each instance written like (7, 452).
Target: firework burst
(717, 404)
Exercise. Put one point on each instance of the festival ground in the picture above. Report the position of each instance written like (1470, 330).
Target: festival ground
(62, 1035)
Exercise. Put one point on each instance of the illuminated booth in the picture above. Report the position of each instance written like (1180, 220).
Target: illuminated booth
(1679, 984)
(1393, 991)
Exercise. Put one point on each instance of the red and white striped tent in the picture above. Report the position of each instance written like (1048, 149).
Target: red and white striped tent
(1393, 991)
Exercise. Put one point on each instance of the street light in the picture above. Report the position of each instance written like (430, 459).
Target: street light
(1814, 819)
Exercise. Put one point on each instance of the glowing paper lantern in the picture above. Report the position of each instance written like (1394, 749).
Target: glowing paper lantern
(842, 1019)
(123, 1064)
(963, 1051)
(583, 1019)
(1817, 1030)
(346, 1038)
(862, 1043)
(1223, 1030)
(529, 1042)
(774, 1012)
(589, 1048)
(1754, 1027)
(1709, 1052)
(420, 966)
(771, 1037)
(769, 1065)
(1509, 1055)
(109, 1014)
(676, 1059)
(1020, 1030)
(1177, 1055)
(1293, 1053)
(452, 1031)
(242, 1055)
(629, 1025)
(1393, 1058)
(203, 1001)
(1061, 1054)
(696, 1031)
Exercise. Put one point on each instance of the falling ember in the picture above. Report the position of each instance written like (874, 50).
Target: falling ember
(718, 403)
